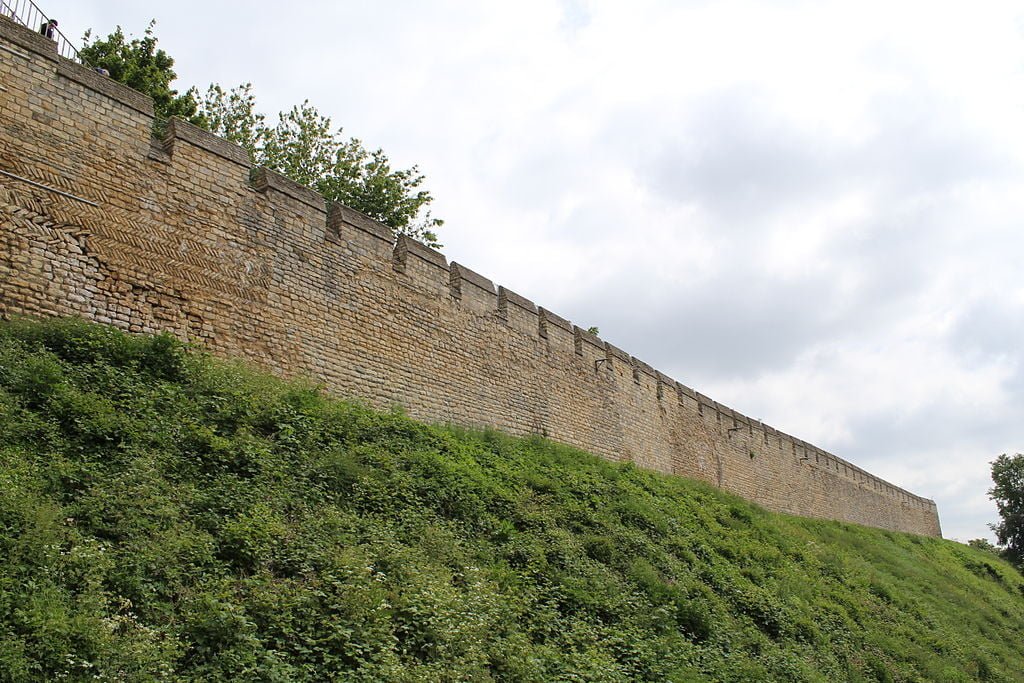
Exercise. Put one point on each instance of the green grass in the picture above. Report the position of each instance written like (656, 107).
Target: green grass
(167, 517)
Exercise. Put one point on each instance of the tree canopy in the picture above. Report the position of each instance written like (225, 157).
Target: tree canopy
(1008, 493)
(139, 64)
(302, 145)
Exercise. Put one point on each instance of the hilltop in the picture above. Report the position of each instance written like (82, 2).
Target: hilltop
(167, 516)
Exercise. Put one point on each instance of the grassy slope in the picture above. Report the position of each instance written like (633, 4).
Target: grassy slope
(166, 517)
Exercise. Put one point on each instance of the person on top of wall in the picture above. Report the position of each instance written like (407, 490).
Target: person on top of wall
(49, 29)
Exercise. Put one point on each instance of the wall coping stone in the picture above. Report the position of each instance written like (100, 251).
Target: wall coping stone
(549, 318)
(178, 129)
(615, 352)
(643, 367)
(686, 391)
(460, 273)
(264, 179)
(581, 336)
(407, 245)
(338, 214)
(506, 295)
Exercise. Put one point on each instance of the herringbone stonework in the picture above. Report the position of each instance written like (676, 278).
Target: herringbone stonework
(99, 220)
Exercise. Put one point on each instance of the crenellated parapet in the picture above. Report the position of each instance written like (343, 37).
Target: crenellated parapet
(180, 233)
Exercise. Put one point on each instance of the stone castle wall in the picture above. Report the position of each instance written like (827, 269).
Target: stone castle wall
(100, 220)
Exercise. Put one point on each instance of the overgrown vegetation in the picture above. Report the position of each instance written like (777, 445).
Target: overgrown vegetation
(167, 517)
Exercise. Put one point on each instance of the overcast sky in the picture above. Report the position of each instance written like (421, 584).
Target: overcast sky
(809, 211)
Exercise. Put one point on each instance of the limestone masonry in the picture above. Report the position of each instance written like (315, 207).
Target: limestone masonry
(100, 220)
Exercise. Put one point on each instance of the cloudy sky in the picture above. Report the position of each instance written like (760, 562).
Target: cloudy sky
(810, 211)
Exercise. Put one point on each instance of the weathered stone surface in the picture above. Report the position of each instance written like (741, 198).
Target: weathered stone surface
(176, 237)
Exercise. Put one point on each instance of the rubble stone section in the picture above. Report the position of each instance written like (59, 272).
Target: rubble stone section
(102, 221)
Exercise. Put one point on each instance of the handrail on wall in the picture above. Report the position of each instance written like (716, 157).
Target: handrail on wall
(28, 14)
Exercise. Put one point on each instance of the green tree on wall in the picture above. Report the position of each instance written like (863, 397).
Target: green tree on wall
(1008, 493)
(303, 145)
(139, 64)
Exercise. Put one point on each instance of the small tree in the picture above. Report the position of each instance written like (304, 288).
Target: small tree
(984, 545)
(232, 115)
(304, 146)
(1008, 493)
(139, 64)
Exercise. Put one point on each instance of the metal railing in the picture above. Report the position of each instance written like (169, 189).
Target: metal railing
(26, 13)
